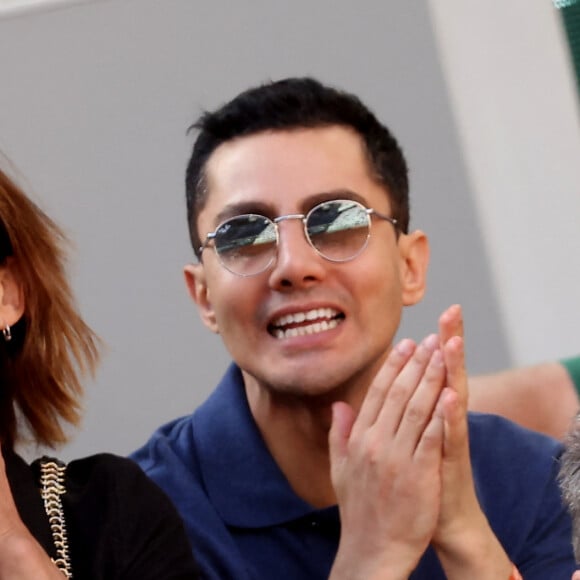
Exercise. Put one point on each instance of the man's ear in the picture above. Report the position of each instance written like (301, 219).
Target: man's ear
(414, 248)
(11, 294)
(196, 282)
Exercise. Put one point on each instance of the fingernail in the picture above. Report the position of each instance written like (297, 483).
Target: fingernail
(456, 308)
(406, 347)
(437, 358)
(431, 342)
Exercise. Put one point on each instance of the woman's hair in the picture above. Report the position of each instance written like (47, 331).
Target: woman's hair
(51, 347)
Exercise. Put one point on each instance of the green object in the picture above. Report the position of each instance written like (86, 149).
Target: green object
(570, 11)
(572, 365)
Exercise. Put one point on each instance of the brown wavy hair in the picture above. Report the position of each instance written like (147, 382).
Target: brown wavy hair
(52, 347)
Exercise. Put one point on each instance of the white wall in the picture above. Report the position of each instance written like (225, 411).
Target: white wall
(515, 103)
(10, 8)
(95, 100)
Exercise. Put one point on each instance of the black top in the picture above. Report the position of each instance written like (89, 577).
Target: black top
(119, 523)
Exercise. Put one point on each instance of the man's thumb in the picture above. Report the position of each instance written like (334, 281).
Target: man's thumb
(342, 421)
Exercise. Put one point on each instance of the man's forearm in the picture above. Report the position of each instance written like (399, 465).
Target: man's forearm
(541, 397)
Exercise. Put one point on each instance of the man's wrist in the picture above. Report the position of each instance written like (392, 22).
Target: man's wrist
(367, 567)
(475, 553)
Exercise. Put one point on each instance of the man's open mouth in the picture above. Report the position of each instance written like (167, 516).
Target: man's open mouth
(305, 323)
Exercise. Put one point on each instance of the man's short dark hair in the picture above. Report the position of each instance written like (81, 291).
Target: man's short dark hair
(288, 104)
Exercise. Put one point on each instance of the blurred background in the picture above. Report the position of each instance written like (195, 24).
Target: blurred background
(96, 97)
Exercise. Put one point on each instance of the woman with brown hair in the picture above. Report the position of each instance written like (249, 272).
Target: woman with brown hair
(98, 517)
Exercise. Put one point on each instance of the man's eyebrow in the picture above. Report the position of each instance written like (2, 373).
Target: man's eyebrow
(342, 193)
(241, 208)
(267, 209)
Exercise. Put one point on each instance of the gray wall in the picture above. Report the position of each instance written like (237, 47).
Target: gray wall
(516, 105)
(95, 100)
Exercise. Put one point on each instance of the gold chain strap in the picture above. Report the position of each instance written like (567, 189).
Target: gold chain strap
(52, 486)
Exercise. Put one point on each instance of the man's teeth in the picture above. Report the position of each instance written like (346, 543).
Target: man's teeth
(325, 320)
(298, 317)
(308, 329)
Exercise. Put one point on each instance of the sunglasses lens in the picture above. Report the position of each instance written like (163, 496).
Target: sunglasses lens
(246, 244)
(339, 230)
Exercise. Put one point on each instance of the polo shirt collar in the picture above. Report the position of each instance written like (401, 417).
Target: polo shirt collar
(241, 478)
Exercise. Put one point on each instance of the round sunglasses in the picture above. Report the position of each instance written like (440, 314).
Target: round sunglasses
(338, 230)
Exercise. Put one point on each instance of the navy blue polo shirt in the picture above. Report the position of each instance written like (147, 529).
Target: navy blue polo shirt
(245, 522)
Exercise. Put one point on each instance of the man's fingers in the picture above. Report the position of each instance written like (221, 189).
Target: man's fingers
(430, 445)
(343, 418)
(451, 323)
(404, 388)
(456, 427)
(454, 355)
(421, 406)
(375, 397)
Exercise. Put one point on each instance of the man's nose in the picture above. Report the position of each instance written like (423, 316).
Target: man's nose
(297, 263)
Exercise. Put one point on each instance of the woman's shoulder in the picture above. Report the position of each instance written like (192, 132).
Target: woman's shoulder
(105, 473)
(98, 465)
(106, 465)
(121, 523)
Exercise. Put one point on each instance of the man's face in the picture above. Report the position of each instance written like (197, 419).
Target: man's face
(288, 172)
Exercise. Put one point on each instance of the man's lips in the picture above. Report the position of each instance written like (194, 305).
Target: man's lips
(305, 322)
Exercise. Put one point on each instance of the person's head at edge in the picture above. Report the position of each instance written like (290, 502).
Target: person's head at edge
(45, 346)
(569, 478)
(280, 149)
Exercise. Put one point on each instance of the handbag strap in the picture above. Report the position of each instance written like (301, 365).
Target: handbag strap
(52, 486)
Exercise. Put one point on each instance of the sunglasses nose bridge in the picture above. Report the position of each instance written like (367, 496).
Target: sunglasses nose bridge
(292, 216)
(296, 216)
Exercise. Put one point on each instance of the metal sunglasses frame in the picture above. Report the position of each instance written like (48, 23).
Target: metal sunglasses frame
(304, 218)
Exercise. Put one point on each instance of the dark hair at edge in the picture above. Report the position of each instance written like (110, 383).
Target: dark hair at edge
(569, 480)
(295, 103)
